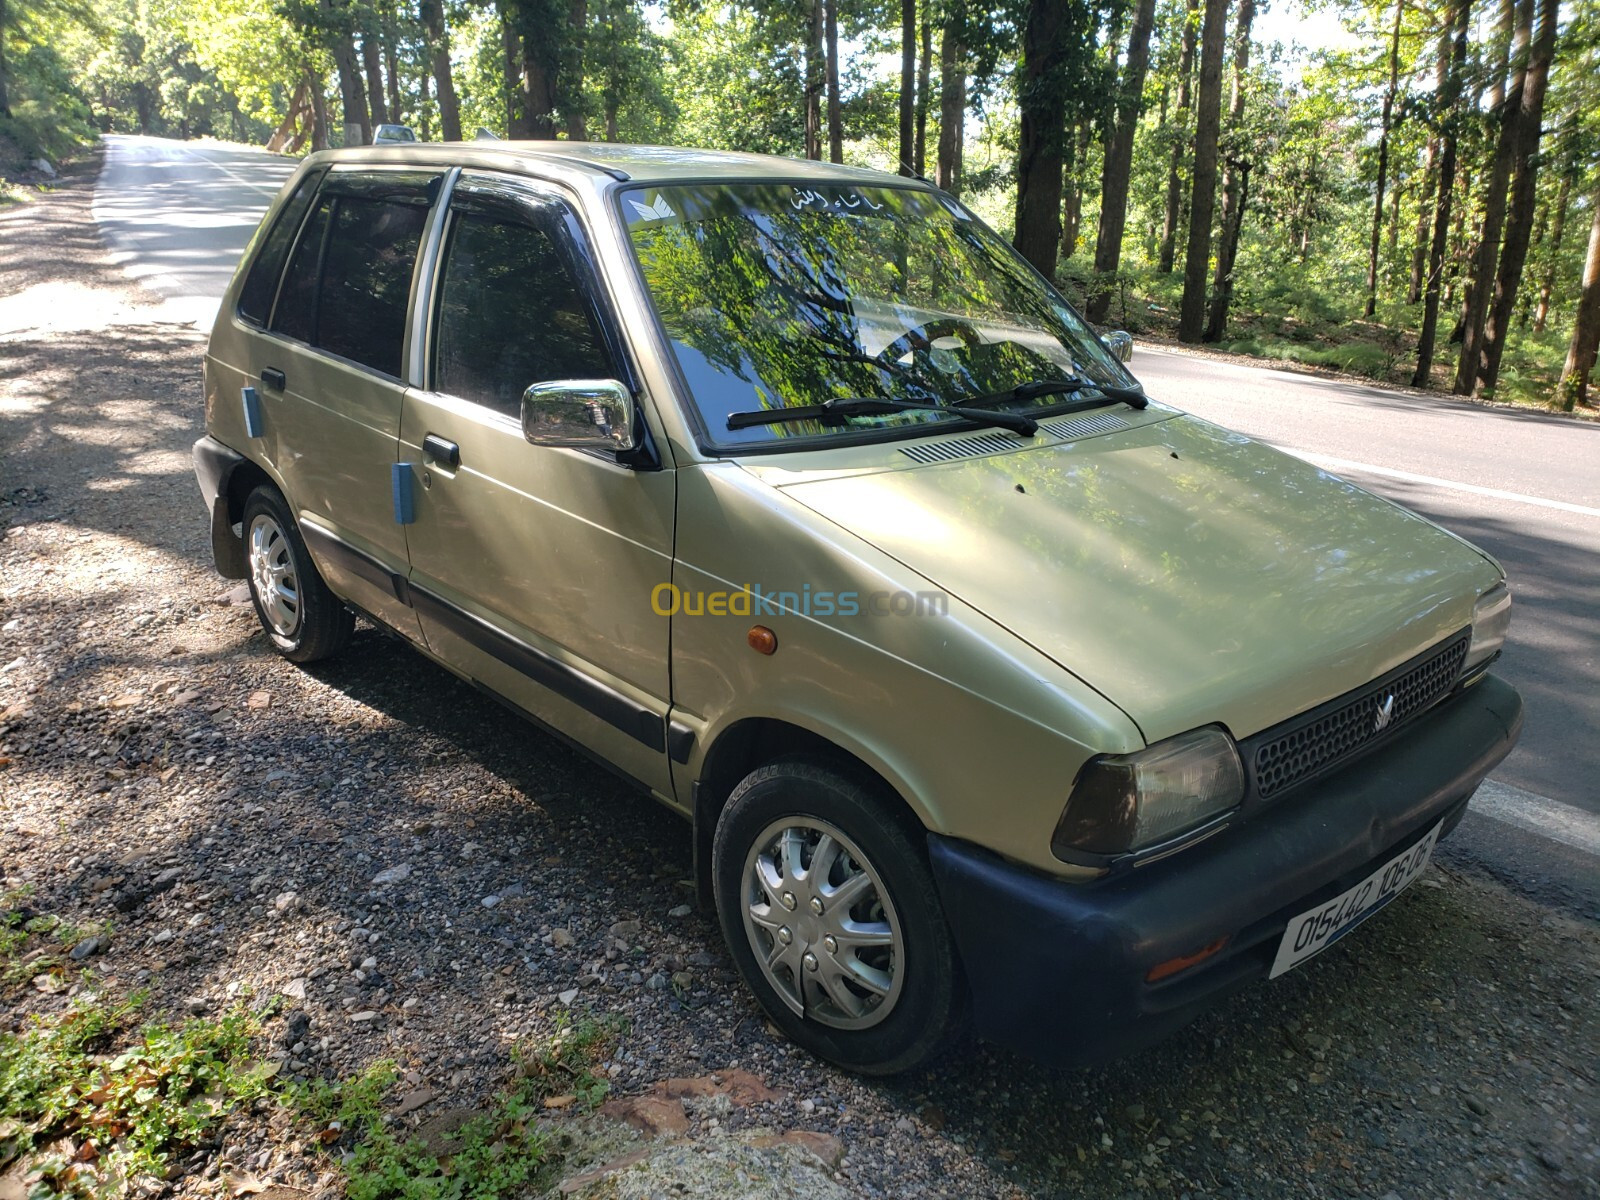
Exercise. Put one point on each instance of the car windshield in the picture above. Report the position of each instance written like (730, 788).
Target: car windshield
(783, 295)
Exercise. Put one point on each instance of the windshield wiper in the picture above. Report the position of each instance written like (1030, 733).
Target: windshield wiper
(1132, 397)
(836, 411)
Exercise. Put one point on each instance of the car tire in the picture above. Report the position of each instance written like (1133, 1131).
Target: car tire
(855, 964)
(303, 619)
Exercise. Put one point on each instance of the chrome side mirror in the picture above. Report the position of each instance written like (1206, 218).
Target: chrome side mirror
(1119, 343)
(581, 414)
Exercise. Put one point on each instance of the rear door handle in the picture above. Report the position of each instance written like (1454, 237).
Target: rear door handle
(274, 378)
(441, 451)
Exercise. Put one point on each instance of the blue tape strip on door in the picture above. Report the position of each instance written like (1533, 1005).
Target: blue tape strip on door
(252, 412)
(405, 503)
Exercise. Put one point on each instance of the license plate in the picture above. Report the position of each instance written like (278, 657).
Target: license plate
(1315, 930)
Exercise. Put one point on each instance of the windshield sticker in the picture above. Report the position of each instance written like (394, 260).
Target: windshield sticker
(805, 199)
(659, 210)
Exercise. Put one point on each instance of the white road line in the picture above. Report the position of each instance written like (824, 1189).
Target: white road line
(1345, 464)
(271, 190)
(1549, 818)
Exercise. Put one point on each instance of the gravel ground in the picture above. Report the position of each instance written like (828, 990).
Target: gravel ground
(427, 879)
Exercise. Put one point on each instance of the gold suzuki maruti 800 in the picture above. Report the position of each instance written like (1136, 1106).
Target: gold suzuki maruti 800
(997, 691)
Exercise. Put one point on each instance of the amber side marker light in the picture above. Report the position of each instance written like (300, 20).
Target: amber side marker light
(1173, 965)
(762, 640)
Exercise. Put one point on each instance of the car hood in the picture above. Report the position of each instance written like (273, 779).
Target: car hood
(1187, 573)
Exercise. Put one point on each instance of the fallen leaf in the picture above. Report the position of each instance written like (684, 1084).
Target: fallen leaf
(559, 1101)
(245, 1184)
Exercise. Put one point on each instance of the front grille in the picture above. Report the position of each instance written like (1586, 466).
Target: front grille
(1309, 744)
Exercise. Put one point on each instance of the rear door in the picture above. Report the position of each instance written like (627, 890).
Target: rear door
(532, 567)
(330, 378)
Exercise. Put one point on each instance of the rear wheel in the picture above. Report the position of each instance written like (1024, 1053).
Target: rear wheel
(302, 618)
(833, 919)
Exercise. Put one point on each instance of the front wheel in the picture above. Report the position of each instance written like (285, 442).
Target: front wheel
(831, 914)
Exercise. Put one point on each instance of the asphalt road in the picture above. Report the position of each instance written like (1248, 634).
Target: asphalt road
(1524, 486)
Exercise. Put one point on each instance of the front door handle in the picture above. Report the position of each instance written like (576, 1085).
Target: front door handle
(441, 451)
(274, 378)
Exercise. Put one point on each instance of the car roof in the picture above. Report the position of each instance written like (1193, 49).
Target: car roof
(641, 164)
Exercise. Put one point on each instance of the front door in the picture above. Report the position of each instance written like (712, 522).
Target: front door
(532, 567)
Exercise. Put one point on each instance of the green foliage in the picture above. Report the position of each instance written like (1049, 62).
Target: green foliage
(497, 1153)
(90, 1118)
(564, 1064)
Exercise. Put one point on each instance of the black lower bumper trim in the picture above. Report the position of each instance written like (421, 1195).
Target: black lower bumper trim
(1058, 970)
(214, 465)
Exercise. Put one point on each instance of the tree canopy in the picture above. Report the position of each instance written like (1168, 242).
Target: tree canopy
(1413, 205)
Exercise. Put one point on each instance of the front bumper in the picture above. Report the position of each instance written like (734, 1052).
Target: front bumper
(1057, 970)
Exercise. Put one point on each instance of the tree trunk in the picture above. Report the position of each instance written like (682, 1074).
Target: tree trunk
(424, 109)
(569, 90)
(1044, 112)
(908, 87)
(1174, 212)
(1574, 386)
(1073, 150)
(952, 102)
(438, 39)
(5, 89)
(1383, 160)
(541, 63)
(830, 14)
(816, 75)
(1203, 200)
(1505, 105)
(1450, 118)
(1235, 182)
(1558, 222)
(924, 69)
(1118, 163)
(511, 55)
(370, 58)
(319, 111)
(1524, 196)
(391, 60)
(1427, 202)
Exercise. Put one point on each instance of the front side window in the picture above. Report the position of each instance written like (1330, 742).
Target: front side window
(510, 314)
(787, 295)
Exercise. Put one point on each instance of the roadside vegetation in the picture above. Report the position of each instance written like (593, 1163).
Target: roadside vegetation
(100, 1096)
(1419, 204)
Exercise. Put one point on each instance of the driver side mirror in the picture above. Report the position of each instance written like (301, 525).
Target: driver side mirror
(580, 414)
(1120, 343)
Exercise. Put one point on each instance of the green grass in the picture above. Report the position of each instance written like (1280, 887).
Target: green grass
(22, 935)
(92, 1102)
(497, 1153)
(1358, 357)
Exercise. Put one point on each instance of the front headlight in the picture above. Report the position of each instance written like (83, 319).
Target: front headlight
(1127, 802)
(1490, 620)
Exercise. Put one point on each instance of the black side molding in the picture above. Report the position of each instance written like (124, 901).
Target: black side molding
(357, 562)
(610, 705)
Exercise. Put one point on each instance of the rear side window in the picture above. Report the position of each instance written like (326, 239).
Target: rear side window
(297, 306)
(510, 314)
(255, 298)
(366, 280)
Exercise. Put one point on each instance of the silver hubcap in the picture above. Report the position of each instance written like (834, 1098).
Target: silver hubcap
(272, 576)
(822, 924)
